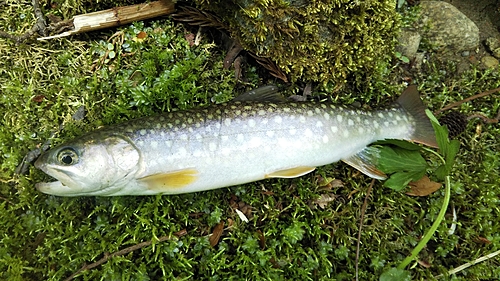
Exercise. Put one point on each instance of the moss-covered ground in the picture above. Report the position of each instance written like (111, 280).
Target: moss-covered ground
(146, 68)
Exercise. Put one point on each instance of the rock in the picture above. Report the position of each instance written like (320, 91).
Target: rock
(443, 25)
(492, 43)
(408, 42)
(496, 53)
(489, 62)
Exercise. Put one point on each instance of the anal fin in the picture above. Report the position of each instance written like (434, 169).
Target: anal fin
(291, 173)
(170, 180)
(364, 162)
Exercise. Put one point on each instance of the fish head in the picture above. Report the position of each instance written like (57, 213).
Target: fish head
(89, 167)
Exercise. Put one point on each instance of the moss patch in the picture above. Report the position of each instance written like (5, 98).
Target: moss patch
(287, 237)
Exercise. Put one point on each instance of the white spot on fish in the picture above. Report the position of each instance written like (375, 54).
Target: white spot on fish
(310, 113)
(350, 122)
(386, 123)
(217, 125)
(345, 133)
(198, 136)
(319, 124)
(224, 138)
(308, 133)
(390, 114)
(339, 118)
(182, 152)
(183, 137)
(255, 142)
(197, 153)
(168, 143)
(292, 131)
(240, 138)
(358, 119)
(327, 116)
(325, 139)
(398, 118)
(251, 123)
(381, 115)
(142, 132)
(302, 119)
(262, 112)
(212, 146)
(154, 144)
(227, 122)
(361, 130)
(334, 129)
(376, 124)
(277, 119)
(270, 133)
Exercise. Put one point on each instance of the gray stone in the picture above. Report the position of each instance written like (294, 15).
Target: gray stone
(492, 43)
(489, 62)
(408, 42)
(496, 53)
(444, 26)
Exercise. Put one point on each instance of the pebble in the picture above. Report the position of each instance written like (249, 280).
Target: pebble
(465, 53)
(489, 61)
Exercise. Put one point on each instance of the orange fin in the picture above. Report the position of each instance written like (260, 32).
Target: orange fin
(171, 180)
(364, 161)
(411, 102)
(291, 173)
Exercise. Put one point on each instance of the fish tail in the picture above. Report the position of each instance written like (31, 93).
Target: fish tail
(411, 102)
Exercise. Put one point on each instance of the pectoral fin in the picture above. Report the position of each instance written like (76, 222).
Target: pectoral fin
(291, 173)
(171, 180)
(364, 162)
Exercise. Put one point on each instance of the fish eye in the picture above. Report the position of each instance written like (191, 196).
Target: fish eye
(67, 156)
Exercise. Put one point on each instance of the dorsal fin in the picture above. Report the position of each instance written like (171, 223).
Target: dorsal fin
(411, 102)
(267, 93)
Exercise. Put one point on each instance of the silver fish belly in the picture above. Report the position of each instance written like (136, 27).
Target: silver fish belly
(225, 145)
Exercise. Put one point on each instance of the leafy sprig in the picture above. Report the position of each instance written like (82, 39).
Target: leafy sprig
(448, 150)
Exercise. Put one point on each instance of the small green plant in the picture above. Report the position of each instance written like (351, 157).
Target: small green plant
(448, 150)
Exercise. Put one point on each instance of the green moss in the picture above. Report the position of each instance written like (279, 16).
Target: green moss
(335, 42)
(288, 237)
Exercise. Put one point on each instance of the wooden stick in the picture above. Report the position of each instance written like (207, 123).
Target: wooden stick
(455, 104)
(115, 17)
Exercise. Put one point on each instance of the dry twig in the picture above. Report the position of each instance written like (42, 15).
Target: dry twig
(455, 104)
(115, 254)
(362, 217)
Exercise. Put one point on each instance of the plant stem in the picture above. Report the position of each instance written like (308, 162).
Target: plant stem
(435, 225)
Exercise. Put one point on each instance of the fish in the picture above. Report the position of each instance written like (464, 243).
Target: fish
(228, 144)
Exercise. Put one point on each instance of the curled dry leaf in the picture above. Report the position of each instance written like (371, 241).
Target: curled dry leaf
(216, 234)
(323, 201)
(423, 187)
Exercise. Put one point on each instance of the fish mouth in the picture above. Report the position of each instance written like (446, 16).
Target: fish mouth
(63, 185)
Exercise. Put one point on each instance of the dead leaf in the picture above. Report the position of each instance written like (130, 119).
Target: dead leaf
(142, 35)
(425, 264)
(423, 187)
(181, 233)
(216, 233)
(323, 200)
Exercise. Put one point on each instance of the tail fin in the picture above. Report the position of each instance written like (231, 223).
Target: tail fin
(410, 101)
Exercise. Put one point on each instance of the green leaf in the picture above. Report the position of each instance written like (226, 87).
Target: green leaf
(394, 274)
(400, 143)
(449, 149)
(399, 180)
(395, 159)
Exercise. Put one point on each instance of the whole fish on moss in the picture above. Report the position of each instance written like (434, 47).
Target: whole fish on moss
(228, 144)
